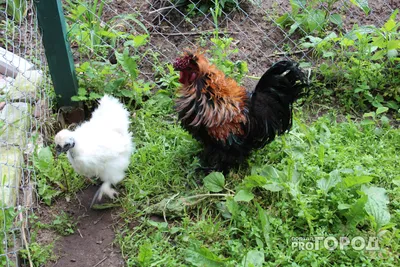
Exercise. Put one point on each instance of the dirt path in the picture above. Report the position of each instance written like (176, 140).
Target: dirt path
(91, 245)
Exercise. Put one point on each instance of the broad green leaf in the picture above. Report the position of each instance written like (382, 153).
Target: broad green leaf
(343, 206)
(393, 44)
(271, 173)
(139, 40)
(356, 180)
(94, 95)
(363, 4)
(254, 181)
(357, 212)
(367, 122)
(313, 42)
(82, 91)
(396, 181)
(284, 20)
(223, 210)
(128, 63)
(202, 257)
(145, 254)
(108, 34)
(232, 206)
(307, 45)
(253, 258)
(385, 120)
(83, 67)
(214, 182)
(265, 225)
(273, 187)
(45, 157)
(294, 27)
(244, 195)
(242, 66)
(369, 115)
(390, 25)
(316, 20)
(328, 54)
(326, 184)
(297, 5)
(114, 85)
(336, 19)
(127, 93)
(381, 110)
(76, 98)
(378, 55)
(379, 41)
(376, 205)
(159, 225)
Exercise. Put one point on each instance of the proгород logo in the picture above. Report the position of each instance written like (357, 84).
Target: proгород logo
(334, 243)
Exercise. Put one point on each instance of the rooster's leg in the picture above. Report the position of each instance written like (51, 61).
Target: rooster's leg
(206, 170)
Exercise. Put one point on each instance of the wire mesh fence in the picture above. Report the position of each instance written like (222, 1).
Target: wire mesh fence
(23, 112)
(143, 38)
(261, 31)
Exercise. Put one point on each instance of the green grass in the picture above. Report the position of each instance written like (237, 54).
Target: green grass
(324, 178)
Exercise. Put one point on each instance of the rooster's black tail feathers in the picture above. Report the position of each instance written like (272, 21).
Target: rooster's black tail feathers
(271, 102)
(284, 78)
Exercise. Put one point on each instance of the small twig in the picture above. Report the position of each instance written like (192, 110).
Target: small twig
(191, 33)
(253, 77)
(208, 195)
(24, 237)
(97, 221)
(165, 207)
(97, 264)
(65, 178)
(80, 233)
(161, 9)
(286, 53)
(229, 190)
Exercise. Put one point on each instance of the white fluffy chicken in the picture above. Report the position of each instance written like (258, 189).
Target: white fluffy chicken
(100, 147)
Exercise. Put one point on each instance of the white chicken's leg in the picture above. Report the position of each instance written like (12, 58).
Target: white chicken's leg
(105, 188)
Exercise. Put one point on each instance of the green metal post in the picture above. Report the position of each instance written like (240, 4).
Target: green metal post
(58, 51)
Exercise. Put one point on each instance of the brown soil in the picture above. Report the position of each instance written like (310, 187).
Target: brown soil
(92, 244)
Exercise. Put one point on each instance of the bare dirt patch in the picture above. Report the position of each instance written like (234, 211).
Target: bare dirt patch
(92, 244)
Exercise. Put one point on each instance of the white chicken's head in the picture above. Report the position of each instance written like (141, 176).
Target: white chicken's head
(64, 141)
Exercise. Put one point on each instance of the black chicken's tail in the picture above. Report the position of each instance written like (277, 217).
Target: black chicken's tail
(271, 103)
(284, 78)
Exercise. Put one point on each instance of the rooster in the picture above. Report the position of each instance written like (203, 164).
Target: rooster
(226, 118)
(100, 147)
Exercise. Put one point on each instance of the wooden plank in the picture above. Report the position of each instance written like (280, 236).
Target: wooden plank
(58, 51)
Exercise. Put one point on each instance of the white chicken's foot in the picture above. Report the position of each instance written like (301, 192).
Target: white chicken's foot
(105, 188)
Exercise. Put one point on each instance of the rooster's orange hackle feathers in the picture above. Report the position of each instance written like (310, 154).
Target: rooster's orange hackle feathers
(228, 98)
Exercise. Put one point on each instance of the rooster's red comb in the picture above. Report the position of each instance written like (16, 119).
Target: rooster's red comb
(182, 63)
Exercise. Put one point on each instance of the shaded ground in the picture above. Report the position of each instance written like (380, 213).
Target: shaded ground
(92, 243)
